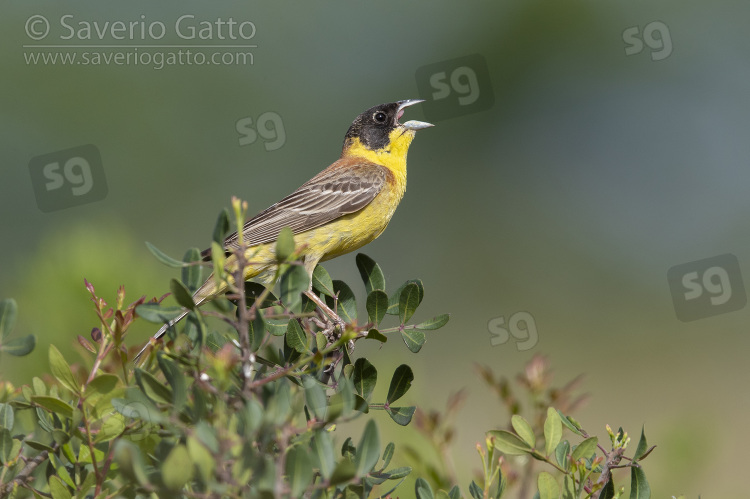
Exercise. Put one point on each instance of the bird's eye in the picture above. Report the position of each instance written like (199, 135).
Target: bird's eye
(380, 117)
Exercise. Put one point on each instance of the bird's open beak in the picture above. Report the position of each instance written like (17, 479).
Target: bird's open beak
(410, 125)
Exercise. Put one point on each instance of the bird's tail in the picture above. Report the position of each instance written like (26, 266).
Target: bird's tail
(161, 332)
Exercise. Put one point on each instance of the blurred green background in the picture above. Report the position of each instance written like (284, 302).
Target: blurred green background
(591, 173)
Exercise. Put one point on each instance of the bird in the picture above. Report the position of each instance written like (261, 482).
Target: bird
(342, 208)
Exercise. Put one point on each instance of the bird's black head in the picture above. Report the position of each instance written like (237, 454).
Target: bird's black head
(375, 126)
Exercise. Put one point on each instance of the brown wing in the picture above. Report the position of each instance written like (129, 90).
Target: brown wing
(348, 185)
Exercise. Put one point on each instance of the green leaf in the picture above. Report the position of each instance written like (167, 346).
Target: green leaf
(7, 417)
(642, 445)
(154, 312)
(19, 346)
(59, 466)
(423, 490)
(130, 461)
(315, 397)
(53, 404)
(8, 313)
(569, 488)
(343, 401)
(475, 491)
(218, 259)
(609, 489)
(221, 228)
(40, 388)
(152, 387)
(191, 274)
(397, 473)
(401, 415)
(38, 445)
(639, 487)
(58, 489)
(408, 302)
(294, 282)
(561, 454)
(276, 328)
(254, 290)
(321, 281)
(508, 443)
(455, 493)
(344, 472)
(164, 258)
(368, 450)
(195, 328)
(256, 331)
(548, 487)
(202, 458)
(377, 306)
(296, 337)
(6, 445)
(137, 406)
(388, 454)
(364, 377)
(400, 383)
(393, 301)
(177, 469)
(414, 339)
(102, 384)
(284, 244)
(181, 294)
(434, 323)
(374, 334)
(347, 304)
(371, 273)
(322, 453)
(61, 370)
(112, 427)
(176, 381)
(552, 431)
(299, 470)
(523, 429)
(585, 449)
(574, 427)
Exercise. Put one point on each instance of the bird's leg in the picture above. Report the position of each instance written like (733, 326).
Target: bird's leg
(338, 321)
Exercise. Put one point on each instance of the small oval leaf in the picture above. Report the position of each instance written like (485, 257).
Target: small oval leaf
(181, 294)
(8, 312)
(408, 302)
(322, 282)
(61, 370)
(377, 306)
(552, 431)
(371, 273)
(585, 449)
(368, 450)
(523, 429)
(548, 487)
(164, 258)
(19, 347)
(284, 244)
(508, 443)
(400, 383)
(414, 339)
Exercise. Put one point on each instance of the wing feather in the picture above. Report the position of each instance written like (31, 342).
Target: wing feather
(347, 186)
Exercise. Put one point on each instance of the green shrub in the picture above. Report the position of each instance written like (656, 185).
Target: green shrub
(255, 411)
